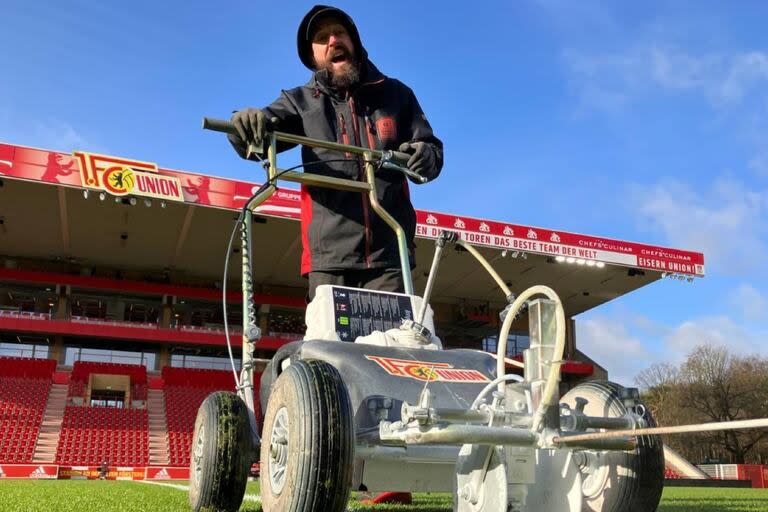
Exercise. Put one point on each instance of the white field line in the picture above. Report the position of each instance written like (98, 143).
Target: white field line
(250, 497)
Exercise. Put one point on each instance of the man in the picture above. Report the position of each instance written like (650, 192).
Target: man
(348, 100)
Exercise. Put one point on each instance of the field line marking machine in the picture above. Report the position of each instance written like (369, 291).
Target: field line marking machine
(369, 400)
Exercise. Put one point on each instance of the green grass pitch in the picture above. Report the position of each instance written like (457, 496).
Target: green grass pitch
(123, 496)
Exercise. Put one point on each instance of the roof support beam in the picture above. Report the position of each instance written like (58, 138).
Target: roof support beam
(64, 220)
(182, 235)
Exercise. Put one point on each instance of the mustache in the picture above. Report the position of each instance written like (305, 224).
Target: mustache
(339, 51)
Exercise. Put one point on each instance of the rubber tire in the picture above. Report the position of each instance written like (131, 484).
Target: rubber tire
(320, 445)
(635, 480)
(226, 454)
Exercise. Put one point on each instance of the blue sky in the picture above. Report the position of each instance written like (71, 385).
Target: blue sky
(640, 122)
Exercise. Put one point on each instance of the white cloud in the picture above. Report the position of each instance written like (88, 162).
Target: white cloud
(607, 342)
(751, 302)
(643, 69)
(718, 330)
(58, 135)
(727, 223)
(50, 133)
(625, 344)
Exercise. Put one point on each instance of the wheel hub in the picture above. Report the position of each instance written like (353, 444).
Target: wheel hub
(594, 472)
(278, 451)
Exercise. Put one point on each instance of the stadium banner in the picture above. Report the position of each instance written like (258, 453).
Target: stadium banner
(33, 471)
(119, 176)
(167, 473)
(94, 473)
(582, 249)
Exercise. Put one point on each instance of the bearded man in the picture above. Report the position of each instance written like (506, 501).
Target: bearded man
(348, 100)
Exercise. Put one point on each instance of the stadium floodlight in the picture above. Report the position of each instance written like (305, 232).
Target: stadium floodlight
(147, 203)
(162, 204)
(570, 259)
(560, 259)
(590, 263)
(86, 193)
(600, 264)
(132, 201)
(102, 196)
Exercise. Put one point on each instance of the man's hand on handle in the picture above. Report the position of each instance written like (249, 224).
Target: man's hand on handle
(251, 125)
(423, 160)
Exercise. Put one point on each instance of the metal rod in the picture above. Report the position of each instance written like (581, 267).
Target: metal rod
(465, 415)
(430, 280)
(472, 434)
(431, 454)
(622, 445)
(681, 429)
(246, 374)
(334, 146)
(221, 125)
(318, 180)
(482, 416)
(402, 244)
(608, 423)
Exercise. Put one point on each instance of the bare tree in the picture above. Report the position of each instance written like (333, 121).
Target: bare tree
(711, 385)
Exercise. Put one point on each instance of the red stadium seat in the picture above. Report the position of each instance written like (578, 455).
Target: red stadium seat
(91, 435)
(185, 389)
(24, 387)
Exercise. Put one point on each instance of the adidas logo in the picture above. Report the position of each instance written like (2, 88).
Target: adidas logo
(39, 473)
(163, 475)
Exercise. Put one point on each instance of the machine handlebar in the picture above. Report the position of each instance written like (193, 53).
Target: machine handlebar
(394, 160)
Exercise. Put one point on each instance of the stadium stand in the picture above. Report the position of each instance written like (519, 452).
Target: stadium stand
(24, 387)
(671, 474)
(185, 389)
(92, 435)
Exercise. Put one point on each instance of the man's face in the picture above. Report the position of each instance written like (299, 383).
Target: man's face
(332, 48)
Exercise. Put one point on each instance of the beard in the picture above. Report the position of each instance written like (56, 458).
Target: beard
(345, 78)
(348, 75)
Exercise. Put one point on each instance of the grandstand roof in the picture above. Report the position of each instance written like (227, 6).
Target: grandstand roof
(59, 207)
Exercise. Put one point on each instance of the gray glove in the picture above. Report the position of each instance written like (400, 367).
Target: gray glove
(251, 125)
(423, 160)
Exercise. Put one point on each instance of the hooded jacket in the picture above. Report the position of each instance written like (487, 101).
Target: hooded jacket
(340, 230)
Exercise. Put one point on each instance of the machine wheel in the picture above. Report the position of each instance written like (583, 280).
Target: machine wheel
(307, 448)
(222, 454)
(485, 466)
(618, 481)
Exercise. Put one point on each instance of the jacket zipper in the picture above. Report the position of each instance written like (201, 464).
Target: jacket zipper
(366, 208)
(344, 134)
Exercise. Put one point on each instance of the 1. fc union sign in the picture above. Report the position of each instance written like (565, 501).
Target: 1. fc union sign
(120, 177)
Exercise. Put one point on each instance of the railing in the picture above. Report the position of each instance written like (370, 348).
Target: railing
(113, 323)
(207, 329)
(24, 314)
(287, 335)
(233, 329)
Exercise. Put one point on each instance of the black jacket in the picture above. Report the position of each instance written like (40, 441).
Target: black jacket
(340, 231)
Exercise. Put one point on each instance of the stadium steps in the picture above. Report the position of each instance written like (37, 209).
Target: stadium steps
(50, 428)
(158, 429)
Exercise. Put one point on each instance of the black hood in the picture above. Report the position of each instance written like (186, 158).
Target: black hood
(304, 44)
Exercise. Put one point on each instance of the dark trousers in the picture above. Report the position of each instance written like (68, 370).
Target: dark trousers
(383, 279)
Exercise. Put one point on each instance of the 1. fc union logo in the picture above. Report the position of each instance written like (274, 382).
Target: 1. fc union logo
(120, 177)
(119, 181)
(427, 370)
